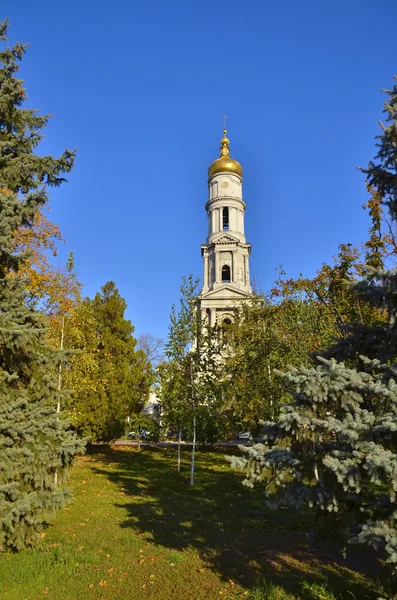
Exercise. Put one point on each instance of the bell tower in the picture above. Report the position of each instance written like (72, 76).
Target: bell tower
(226, 251)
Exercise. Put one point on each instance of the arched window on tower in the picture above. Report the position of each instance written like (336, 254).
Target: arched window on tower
(227, 332)
(225, 274)
(225, 218)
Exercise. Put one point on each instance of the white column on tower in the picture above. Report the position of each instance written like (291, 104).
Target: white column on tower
(216, 266)
(205, 269)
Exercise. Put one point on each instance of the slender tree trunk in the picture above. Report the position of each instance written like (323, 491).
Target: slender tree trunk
(179, 449)
(60, 364)
(60, 382)
(315, 467)
(139, 443)
(359, 308)
(269, 374)
(194, 425)
(193, 449)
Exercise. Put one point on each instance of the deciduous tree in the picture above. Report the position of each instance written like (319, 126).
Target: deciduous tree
(190, 390)
(152, 347)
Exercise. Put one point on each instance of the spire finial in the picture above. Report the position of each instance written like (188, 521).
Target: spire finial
(224, 149)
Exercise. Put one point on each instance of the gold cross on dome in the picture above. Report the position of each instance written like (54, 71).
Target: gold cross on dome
(224, 121)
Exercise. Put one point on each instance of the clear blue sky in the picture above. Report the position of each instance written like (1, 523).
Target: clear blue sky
(140, 86)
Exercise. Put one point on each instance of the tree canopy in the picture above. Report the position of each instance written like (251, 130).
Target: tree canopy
(108, 376)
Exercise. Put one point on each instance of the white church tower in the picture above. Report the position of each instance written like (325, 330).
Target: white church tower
(226, 252)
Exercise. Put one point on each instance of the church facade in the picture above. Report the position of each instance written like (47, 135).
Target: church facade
(226, 251)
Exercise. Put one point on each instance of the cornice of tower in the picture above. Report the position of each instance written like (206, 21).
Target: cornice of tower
(229, 200)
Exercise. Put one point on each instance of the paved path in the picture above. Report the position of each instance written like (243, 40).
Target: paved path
(173, 444)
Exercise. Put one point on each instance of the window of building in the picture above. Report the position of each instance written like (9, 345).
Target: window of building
(227, 331)
(225, 274)
(225, 218)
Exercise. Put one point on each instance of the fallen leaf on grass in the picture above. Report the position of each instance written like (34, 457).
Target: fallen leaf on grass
(103, 583)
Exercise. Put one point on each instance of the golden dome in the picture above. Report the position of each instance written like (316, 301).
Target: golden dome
(225, 163)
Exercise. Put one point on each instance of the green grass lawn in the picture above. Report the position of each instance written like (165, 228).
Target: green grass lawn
(136, 529)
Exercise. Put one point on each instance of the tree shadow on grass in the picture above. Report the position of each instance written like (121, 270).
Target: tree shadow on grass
(226, 523)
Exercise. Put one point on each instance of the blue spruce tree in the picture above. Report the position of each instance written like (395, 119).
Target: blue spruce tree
(36, 444)
(334, 447)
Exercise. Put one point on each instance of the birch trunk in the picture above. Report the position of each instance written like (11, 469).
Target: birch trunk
(315, 468)
(60, 364)
(179, 449)
(269, 373)
(193, 450)
(194, 425)
(60, 383)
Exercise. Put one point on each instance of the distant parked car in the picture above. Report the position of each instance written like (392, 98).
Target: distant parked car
(246, 435)
(131, 435)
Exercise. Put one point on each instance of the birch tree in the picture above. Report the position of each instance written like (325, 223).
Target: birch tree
(189, 382)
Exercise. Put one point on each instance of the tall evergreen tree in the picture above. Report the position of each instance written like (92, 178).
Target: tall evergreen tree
(108, 376)
(36, 443)
(334, 446)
